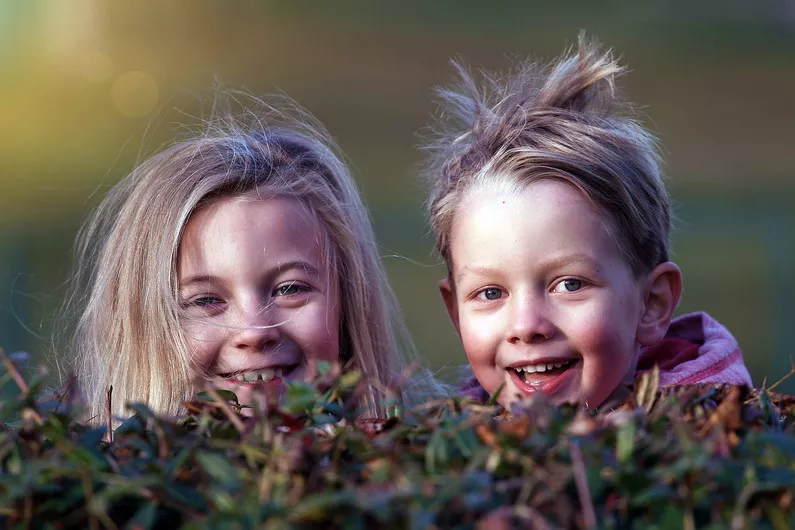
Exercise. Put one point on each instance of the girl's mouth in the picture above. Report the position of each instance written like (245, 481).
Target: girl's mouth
(544, 377)
(263, 375)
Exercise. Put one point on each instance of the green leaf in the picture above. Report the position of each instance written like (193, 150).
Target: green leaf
(349, 380)
(219, 467)
(495, 396)
(319, 507)
(299, 397)
(144, 519)
(625, 442)
(132, 425)
(226, 395)
(323, 367)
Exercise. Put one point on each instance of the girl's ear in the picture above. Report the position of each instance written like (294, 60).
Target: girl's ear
(447, 291)
(660, 298)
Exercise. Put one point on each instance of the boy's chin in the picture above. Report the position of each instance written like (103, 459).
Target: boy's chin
(564, 388)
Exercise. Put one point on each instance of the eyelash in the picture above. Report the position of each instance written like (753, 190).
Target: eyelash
(200, 301)
(582, 283)
(481, 294)
(302, 288)
(211, 300)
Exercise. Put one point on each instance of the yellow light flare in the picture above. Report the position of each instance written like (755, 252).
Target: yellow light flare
(135, 94)
(96, 67)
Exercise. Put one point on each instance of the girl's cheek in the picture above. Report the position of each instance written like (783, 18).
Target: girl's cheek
(203, 335)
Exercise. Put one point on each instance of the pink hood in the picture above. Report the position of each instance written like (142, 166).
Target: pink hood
(696, 349)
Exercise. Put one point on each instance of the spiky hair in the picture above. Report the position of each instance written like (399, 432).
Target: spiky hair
(564, 120)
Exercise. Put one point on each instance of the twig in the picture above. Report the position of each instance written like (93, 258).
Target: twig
(534, 517)
(227, 410)
(786, 376)
(108, 418)
(12, 369)
(581, 481)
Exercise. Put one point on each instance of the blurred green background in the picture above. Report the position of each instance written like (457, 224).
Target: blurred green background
(87, 87)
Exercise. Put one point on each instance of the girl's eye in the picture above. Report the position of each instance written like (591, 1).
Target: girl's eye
(204, 305)
(204, 301)
(491, 293)
(569, 285)
(291, 289)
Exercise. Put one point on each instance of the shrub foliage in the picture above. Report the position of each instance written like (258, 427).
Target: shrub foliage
(683, 457)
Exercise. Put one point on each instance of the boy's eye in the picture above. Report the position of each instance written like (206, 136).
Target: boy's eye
(569, 285)
(491, 293)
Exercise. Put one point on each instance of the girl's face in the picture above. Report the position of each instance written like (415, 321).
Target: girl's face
(541, 295)
(258, 304)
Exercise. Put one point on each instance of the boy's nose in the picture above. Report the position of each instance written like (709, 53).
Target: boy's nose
(530, 322)
(257, 331)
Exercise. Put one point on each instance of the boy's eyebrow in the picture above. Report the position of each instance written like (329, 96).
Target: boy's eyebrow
(477, 270)
(552, 264)
(562, 261)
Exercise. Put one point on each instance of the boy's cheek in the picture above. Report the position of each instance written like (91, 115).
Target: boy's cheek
(608, 354)
(479, 339)
(481, 351)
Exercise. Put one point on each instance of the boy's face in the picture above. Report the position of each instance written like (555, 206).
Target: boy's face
(541, 295)
(258, 304)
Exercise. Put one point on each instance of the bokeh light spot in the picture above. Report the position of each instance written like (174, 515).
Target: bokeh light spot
(135, 94)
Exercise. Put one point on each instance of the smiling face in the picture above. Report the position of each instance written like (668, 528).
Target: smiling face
(541, 295)
(258, 304)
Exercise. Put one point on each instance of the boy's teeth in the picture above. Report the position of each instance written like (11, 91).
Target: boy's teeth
(541, 367)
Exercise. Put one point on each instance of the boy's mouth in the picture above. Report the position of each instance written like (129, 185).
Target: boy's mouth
(547, 377)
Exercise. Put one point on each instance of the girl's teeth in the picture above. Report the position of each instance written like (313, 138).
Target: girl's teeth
(266, 375)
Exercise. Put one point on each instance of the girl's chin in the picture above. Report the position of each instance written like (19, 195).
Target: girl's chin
(259, 392)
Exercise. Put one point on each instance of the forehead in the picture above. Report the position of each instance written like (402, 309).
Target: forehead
(257, 228)
(546, 218)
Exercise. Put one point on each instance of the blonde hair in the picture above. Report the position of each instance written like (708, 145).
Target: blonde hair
(563, 121)
(125, 284)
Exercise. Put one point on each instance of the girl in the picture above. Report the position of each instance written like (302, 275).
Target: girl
(243, 256)
(552, 215)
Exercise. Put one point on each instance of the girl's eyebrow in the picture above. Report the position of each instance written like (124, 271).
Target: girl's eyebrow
(280, 268)
(202, 278)
(298, 264)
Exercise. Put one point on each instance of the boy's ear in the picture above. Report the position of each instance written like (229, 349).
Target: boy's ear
(447, 291)
(660, 298)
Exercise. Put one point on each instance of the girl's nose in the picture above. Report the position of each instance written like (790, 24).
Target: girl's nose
(530, 322)
(257, 331)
